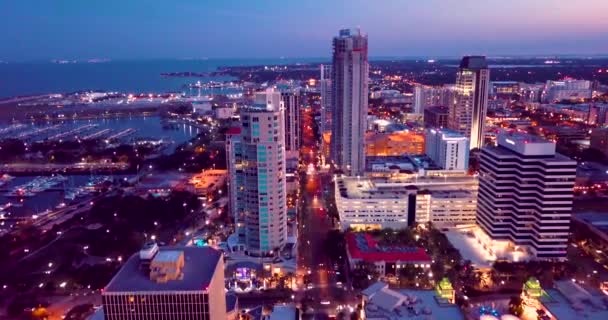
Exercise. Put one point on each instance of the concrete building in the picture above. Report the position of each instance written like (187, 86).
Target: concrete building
(291, 100)
(362, 248)
(224, 112)
(350, 97)
(525, 196)
(570, 89)
(468, 114)
(168, 283)
(448, 149)
(398, 203)
(325, 88)
(260, 178)
(599, 140)
(234, 164)
(393, 143)
(381, 303)
(429, 96)
(436, 117)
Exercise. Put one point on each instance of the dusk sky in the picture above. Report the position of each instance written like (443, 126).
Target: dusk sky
(133, 29)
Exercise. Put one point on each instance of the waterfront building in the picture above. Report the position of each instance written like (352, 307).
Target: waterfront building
(171, 283)
(468, 113)
(350, 98)
(393, 143)
(436, 117)
(448, 149)
(446, 201)
(260, 177)
(525, 195)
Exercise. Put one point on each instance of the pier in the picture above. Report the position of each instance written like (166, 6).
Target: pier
(97, 134)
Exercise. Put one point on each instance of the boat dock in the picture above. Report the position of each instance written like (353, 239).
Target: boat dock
(97, 134)
(121, 134)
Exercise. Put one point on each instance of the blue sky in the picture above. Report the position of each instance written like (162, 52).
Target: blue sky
(133, 29)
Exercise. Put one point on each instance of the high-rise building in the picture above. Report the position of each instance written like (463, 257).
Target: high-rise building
(525, 194)
(269, 98)
(350, 95)
(291, 100)
(448, 149)
(468, 113)
(429, 96)
(171, 283)
(326, 95)
(599, 140)
(235, 181)
(436, 117)
(261, 179)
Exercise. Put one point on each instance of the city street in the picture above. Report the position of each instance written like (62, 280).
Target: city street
(322, 292)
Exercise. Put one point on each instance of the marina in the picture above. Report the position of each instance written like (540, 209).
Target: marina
(115, 130)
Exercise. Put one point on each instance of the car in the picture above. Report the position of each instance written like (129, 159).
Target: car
(309, 286)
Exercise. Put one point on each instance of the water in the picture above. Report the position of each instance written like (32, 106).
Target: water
(43, 200)
(19, 79)
(147, 127)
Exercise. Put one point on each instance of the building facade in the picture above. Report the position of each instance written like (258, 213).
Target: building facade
(172, 283)
(261, 180)
(526, 193)
(350, 71)
(599, 140)
(448, 149)
(367, 204)
(393, 143)
(436, 117)
(325, 88)
(291, 100)
(468, 113)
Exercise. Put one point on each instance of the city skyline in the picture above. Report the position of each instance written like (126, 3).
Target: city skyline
(65, 30)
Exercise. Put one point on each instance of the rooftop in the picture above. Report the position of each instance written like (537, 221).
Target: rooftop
(385, 303)
(579, 305)
(198, 270)
(363, 246)
(474, 62)
(401, 187)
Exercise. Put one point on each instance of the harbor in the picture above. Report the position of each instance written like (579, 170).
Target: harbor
(112, 131)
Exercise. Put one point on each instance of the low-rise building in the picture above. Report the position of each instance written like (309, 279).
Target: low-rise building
(393, 143)
(380, 303)
(208, 181)
(362, 249)
(406, 200)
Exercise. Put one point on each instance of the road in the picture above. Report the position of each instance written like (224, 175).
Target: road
(314, 225)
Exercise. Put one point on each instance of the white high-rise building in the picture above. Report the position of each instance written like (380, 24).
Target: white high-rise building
(525, 195)
(270, 98)
(468, 113)
(447, 148)
(350, 97)
(261, 184)
(326, 95)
